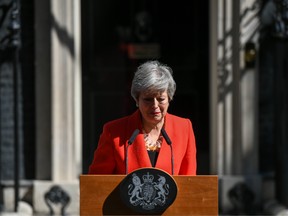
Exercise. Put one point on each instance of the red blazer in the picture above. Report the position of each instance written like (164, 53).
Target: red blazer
(109, 156)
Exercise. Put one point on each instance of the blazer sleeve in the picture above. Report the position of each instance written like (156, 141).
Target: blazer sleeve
(189, 163)
(103, 160)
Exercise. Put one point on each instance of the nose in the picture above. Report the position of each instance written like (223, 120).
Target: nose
(155, 103)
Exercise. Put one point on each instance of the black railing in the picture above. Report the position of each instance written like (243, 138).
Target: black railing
(10, 44)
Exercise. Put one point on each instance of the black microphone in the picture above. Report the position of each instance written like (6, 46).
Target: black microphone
(130, 141)
(132, 138)
(166, 137)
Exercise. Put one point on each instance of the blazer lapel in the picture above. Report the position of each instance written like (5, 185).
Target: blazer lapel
(164, 157)
(140, 155)
(163, 161)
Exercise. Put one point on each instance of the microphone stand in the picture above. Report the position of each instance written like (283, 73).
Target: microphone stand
(172, 158)
(126, 158)
(130, 141)
(167, 139)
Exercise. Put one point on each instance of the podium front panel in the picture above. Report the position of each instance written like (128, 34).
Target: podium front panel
(197, 195)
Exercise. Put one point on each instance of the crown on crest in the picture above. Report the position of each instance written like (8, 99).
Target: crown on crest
(148, 178)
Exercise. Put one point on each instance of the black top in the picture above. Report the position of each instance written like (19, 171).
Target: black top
(153, 155)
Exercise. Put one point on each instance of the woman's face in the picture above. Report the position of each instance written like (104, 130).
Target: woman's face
(153, 106)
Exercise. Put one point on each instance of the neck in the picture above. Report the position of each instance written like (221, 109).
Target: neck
(152, 127)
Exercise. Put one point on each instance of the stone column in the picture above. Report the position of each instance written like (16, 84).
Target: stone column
(58, 90)
(58, 104)
(234, 146)
(66, 89)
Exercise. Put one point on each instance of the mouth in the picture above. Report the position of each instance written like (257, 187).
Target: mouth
(156, 113)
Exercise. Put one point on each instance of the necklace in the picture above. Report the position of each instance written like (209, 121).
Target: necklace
(150, 145)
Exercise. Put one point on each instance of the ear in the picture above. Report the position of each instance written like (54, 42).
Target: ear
(137, 102)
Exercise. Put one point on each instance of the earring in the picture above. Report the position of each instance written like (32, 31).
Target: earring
(136, 105)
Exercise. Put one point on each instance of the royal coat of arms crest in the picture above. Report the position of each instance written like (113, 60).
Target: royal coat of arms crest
(148, 190)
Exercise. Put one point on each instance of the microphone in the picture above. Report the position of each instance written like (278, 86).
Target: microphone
(130, 141)
(166, 137)
(132, 138)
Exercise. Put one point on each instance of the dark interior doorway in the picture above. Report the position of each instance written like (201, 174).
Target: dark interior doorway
(114, 43)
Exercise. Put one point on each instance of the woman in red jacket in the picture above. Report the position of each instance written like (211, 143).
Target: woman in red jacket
(149, 137)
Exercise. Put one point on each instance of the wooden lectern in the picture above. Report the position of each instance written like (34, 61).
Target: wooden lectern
(197, 195)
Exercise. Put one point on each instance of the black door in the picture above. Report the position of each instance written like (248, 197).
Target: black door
(117, 36)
